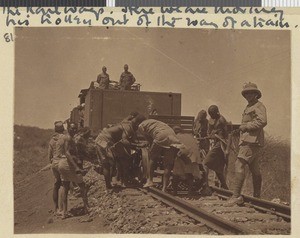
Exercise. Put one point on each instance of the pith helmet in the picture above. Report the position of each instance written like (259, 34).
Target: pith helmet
(251, 87)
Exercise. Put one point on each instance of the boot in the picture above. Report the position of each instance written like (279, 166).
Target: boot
(232, 201)
(238, 184)
(257, 180)
(236, 198)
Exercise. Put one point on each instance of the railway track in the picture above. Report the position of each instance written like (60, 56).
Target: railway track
(277, 209)
(256, 216)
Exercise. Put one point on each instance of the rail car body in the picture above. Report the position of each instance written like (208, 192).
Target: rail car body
(104, 107)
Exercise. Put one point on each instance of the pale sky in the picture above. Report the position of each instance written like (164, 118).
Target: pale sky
(206, 66)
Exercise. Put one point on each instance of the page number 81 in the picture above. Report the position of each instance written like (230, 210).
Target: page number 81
(8, 37)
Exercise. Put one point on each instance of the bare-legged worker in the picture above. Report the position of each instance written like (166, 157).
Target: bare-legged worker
(64, 167)
(251, 140)
(163, 143)
(215, 158)
(107, 140)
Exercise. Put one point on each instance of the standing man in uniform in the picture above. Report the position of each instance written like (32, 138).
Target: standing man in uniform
(215, 158)
(126, 79)
(251, 140)
(103, 79)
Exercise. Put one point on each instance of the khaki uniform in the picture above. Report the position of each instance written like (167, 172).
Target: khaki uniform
(255, 119)
(191, 151)
(109, 137)
(162, 138)
(103, 80)
(126, 80)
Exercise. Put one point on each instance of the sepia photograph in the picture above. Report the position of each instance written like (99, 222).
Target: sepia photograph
(152, 131)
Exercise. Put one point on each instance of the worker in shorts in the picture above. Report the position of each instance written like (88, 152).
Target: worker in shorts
(108, 139)
(55, 153)
(163, 142)
(216, 158)
(64, 167)
(254, 119)
(187, 163)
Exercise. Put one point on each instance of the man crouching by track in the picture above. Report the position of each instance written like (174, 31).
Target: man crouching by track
(106, 142)
(163, 143)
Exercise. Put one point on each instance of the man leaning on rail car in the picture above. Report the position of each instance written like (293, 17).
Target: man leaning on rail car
(108, 145)
(187, 163)
(163, 142)
(126, 79)
(254, 119)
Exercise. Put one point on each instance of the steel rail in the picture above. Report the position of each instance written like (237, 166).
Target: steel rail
(265, 210)
(217, 223)
(278, 209)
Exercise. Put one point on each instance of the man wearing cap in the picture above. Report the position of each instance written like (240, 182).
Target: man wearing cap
(254, 119)
(215, 158)
(126, 79)
(163, 143)
(103, 79)
(64, 167)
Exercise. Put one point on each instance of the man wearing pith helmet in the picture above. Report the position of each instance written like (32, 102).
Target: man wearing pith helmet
(254, 119)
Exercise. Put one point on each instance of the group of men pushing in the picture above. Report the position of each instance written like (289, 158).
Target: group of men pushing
(176, 149)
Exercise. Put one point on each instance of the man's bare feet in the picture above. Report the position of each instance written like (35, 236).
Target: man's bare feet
(66, 215)
(58, 213)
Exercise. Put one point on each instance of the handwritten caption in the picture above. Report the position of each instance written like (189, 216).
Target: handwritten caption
(217, 17)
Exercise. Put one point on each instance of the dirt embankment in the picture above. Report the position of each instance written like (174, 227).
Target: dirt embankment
(33, 208)
(123, 211)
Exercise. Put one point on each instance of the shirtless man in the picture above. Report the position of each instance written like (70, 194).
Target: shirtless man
(61, 153)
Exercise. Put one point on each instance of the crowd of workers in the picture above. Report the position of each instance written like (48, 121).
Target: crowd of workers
(188, 158)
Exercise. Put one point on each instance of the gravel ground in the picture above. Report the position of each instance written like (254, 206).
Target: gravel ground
(128, 210)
